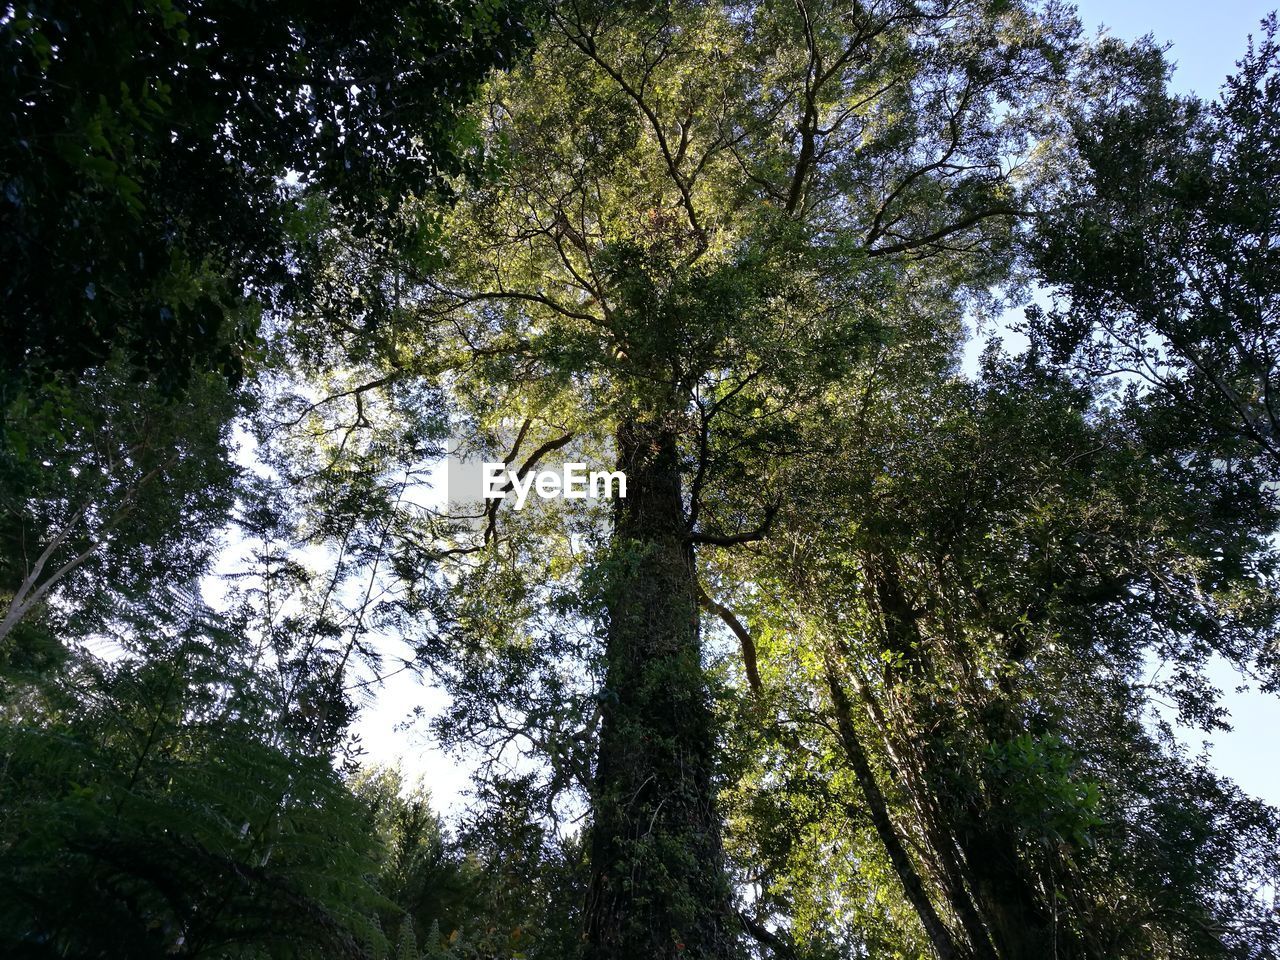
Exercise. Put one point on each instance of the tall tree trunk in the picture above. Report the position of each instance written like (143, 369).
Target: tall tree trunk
(658, 886)
(1020, 922)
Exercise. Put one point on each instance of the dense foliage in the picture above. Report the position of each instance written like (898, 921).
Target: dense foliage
(147, 145)
(878, 657)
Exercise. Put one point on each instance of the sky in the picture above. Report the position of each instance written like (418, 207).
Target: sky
(1207, 39)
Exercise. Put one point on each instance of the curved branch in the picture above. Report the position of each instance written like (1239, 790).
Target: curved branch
(749, 660)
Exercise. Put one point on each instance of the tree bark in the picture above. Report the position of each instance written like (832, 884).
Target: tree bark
(658, 887)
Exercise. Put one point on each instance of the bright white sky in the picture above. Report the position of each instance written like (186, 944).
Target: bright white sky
(1207, 38)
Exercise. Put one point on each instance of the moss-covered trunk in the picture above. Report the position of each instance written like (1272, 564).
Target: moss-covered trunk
(658, 887)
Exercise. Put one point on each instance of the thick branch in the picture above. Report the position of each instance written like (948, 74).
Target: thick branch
(964, 223)
(529, 464)
(750, 536)
(766, 937)
(749, 660)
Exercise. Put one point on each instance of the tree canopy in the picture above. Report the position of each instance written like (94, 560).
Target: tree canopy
(878, 656)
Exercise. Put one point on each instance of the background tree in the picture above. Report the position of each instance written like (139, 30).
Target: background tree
(1163, 261)
(970, 640)
(105, 488)
(154, 804)
(175, 793)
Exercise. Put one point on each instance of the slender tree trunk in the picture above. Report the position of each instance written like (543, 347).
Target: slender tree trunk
(658, 886)
(946, 856)
(912, 884)
(1002, 886)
